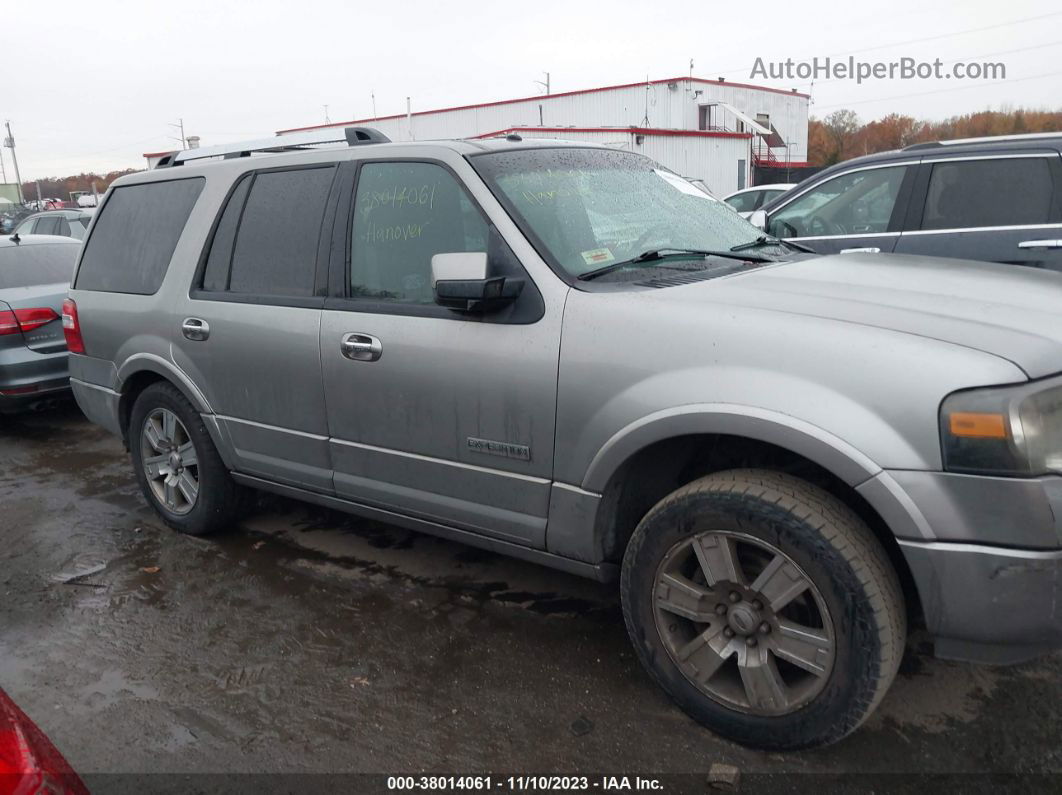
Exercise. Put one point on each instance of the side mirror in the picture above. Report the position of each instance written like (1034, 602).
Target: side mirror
(461, 282)
(759, 219)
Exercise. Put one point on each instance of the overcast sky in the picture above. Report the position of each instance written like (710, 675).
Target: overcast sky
(89, 86)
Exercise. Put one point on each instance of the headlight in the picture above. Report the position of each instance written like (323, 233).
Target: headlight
(1015, 430)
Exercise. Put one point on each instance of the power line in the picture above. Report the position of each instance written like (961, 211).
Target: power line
(965, 59)
(922, 39)
(938, 91)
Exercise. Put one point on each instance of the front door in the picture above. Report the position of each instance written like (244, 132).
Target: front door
(1005, 209)
(860, 210)
(439, 415)
(249, 332)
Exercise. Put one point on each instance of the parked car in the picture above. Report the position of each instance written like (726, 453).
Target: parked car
(779, 455)
(64, 223)
(747, 200)
(29, 762)
(35, 274)
(993, 199)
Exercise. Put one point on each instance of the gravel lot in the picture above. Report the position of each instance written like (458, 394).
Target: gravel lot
(305, 641)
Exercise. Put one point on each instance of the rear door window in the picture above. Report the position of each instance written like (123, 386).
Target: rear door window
(133, 240)
(275, 251)
(744, 202)
(1012, 191)
(48, 225)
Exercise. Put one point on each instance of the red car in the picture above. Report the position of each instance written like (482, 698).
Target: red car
(29, 763)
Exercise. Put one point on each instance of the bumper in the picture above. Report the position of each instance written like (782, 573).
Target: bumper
(28, 378)
(988, 604)
(986, 557)
(99, 404)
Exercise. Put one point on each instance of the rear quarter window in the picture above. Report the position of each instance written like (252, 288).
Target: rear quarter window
(30, 265)
(133, 240)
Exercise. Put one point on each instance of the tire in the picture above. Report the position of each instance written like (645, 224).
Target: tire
(218, 500)
(818, 662)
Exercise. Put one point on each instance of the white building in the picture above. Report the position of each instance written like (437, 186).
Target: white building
(712, 130)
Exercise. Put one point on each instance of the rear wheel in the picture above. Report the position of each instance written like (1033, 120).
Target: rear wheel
(765, 608)
(178, 467)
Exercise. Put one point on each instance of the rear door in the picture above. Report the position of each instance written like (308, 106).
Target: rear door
(862, 210)
(248, 332)
(995, 208)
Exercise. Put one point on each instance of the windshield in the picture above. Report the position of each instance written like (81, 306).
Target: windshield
(585, 209)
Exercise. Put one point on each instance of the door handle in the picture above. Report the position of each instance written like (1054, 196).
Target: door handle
(867, 250)
(195, 329)
(361, 347)
(1040, 244)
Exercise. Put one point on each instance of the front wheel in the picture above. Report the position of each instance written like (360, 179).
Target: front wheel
(177, 465)
(765, 608)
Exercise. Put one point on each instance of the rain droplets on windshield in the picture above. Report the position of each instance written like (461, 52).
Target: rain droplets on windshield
(587, 208)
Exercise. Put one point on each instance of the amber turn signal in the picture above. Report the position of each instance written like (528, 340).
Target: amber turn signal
(972, 425)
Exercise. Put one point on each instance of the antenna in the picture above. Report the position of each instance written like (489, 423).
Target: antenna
(327, 120)
(373, 95)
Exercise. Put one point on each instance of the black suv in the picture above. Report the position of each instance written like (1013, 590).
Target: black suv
(994, 199)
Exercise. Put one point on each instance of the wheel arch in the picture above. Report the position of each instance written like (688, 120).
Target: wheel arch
(143, 370)
(652, 457)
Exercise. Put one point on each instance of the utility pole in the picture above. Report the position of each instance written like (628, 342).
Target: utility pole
(9, 142)
(180, 126)
(3, 171)
(544, 83)
(327, 120)
(373, 95)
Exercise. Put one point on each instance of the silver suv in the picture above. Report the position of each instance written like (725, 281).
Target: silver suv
(568, 354)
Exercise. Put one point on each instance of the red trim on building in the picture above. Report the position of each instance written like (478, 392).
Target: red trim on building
(543, 97)
(632, 130)
(159, 154)
(781, 164)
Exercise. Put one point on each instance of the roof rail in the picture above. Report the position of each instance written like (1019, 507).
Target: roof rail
(983, 139)
(351, 136)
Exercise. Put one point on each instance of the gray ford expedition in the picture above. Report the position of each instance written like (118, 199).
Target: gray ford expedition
(570, 355)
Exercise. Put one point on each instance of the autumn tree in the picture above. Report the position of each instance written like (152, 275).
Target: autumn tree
(62, 187)
(840, 135)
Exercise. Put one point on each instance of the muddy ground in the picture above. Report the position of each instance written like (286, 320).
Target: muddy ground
(307, 641)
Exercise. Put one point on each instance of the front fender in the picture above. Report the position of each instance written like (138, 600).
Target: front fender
(781, 430)
(575, 529)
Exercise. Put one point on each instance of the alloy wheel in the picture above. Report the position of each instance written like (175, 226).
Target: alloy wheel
(743, 623)
(170, 461)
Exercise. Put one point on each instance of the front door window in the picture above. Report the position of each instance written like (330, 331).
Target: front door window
(853, 204)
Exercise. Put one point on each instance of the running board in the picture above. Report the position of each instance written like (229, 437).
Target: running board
(602, 572)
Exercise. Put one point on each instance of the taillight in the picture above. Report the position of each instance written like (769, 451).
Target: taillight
(28, 760)
(8, 323)
(12, 322)
(72, 328)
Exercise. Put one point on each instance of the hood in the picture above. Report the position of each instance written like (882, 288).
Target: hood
(1009, 311)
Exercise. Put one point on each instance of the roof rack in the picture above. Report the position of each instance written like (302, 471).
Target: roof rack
(983, 139)
(295, 142)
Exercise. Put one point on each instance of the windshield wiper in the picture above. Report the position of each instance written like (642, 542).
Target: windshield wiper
(766, 240)
(661, 253)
